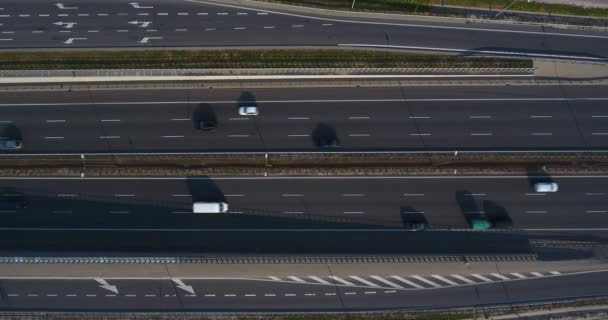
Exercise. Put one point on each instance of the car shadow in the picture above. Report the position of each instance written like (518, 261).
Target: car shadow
(325, 135)
(204, 114)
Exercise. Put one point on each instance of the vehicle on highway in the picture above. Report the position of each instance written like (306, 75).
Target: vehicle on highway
(209, 207)
(481, 224)
(545, 187)
(13, 201)
(10, 144)
(248, 111)
(327, 142)
(207, 125)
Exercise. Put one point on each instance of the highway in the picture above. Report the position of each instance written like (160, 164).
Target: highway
(312, 293)
(374, 119)
(194, 23)
(72, 214)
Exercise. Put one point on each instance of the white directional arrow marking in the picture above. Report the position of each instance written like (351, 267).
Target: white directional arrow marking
(147, 39)
(104, 284)
(180, 284)
(67, 25)
(62, 7)
(137, 6)
(71, 40)
(142, 24)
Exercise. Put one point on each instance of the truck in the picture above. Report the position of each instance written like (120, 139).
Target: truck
(209, 207)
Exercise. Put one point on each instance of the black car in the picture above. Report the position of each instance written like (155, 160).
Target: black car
(207, 126)
(327, 142)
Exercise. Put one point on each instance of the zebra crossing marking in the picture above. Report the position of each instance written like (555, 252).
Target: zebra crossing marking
(392, 284)
(341, 280)
(467, 280)
(315, 278)
(440, 278)
(436, 285)
(415, 285)
(371, 284)
(480, 277)
(499, 276)
(296, 279)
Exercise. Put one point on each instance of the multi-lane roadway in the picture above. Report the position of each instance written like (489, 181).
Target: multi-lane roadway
(306, 293)
(420, 118)
(306, 213)
(194, 23)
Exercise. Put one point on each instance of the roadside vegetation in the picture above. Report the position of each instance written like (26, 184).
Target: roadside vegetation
(425, 6)
(215, 59)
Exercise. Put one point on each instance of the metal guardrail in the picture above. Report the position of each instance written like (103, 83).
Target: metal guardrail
(308, 153)
(269, 259)
(257, 71)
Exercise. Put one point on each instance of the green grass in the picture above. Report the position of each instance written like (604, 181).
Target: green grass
(214, 59)
(424, 6)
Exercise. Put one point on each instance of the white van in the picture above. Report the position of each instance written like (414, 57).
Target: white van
(209, 207)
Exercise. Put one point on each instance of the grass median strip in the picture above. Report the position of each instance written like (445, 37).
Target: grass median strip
(434, 6)
(236, 59)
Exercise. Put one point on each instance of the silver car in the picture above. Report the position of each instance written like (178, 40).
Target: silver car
(10, 144)
(546, 187)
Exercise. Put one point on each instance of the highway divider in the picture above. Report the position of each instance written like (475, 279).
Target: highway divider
(306, 163)
(56, 67)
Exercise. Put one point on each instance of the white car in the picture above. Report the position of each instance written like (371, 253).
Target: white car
(545, 187)
(248, 111)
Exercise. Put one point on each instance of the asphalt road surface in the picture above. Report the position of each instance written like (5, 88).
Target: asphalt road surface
(306, 213)
(37, 23)
(357, 292)
(374, 119)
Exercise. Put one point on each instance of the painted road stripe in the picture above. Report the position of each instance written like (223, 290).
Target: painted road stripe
(341, 280)
(448, 281)
(392, 284)
(315, 278)
(436, 285)
(555, 273)
(461, 278)
(274, 278)
(499, 276)
(538, 274)
(519, 275)
(371, 284)
(480, 277)
(408, 282)
(296, 279)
